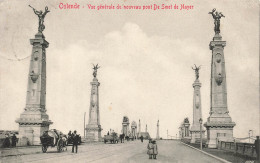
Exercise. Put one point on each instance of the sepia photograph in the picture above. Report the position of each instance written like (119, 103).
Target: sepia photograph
(136, 81)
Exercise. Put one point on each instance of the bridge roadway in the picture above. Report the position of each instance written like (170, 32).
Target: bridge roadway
(132, 151)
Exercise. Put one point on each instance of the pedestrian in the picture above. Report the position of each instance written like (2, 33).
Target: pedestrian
(6, 141)
(14, 140)
(75, 141)
(121, 138)
(150, 149)
(257, 143)
(142, 138)
(108, 133)
(155, 149)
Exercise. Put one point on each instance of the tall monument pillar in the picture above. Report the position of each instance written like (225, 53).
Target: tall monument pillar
(93, 128)
(139, 128)
(186, 127)
(125, 126)
(219, 124)
(195, 128)
(157, 134)
(133, 129)
(34, 120)
(146, 128)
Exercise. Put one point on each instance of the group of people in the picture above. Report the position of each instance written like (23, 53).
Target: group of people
(74, 137)
(7, 143)
(152, 149)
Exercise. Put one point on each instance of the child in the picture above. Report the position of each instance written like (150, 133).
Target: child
(155, 149)
(150, 149)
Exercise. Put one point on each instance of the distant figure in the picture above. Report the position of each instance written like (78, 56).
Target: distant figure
(75, 140)
(6, 141)
(257, 143)
(150, 149)
(108, 133)
(122, 137)
(14, 140)
(69, 134)
(155, 149)
(142, 138)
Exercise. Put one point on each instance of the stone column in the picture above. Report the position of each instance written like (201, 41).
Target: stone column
(157, 134)
(146, 128)
(125, 126)
(133, 129)
(139, 128)
(195, 128)
(186, 129)
(93, 128)
(34, 120)
(219, 124)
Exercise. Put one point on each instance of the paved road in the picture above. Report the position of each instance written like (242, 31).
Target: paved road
(169, 151)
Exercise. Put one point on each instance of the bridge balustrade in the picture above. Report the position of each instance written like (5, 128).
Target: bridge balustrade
(244, 149)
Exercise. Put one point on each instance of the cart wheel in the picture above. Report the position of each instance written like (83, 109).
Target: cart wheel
(44, 148)
(60, 145)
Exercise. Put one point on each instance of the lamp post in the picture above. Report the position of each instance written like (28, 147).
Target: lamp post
(84, 124)
(200, 120)
(249, 135)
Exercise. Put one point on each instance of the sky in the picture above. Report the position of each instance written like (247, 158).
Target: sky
(145, 58)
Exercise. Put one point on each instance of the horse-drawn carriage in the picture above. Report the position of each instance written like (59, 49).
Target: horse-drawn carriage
(112, 138)
(53, 138)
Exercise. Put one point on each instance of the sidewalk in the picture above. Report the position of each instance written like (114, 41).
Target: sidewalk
(229, 156)
(4, 152)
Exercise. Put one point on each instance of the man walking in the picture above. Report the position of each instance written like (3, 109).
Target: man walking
(142, 138)
(75, 140)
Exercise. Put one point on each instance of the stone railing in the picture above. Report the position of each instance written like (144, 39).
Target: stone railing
(187, 140)
(244, 149)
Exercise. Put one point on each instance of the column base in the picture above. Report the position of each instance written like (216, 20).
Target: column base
(218, 131)
(195, 135)
(93, 133)
(30, 132)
